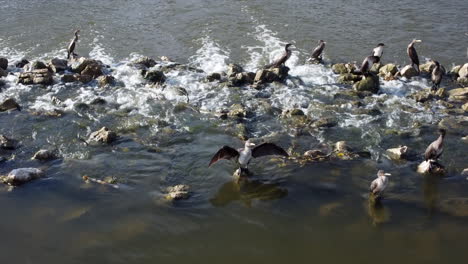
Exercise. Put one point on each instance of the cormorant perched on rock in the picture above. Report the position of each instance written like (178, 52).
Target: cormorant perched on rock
(283, 59)
(71, 46)
(436, 76)
(249, 151)
(317, 53)
(413, 54)
(378, 51)
(367, 65)
(435, 149)
(378, 185)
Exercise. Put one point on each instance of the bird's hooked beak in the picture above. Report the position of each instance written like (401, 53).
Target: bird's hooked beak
(417, 40)
(387, 174)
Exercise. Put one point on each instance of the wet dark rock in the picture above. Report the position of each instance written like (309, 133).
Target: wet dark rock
(242, 78)
(178, 192)
(105, 80)
(349, 78)
(271, 75)
(3, 73)
(234, 69)
(103, 135)
(459, 95)
(9, 104)
(21, 63)
(69, 78)
(35, 65)
(41, 76)
(83, 78)
(7, 143)
(325, 122)
(388, 69)
(369, 84)
(93, 70)
(215, 76)
(155, 77)
(44, 155)
(145, 61)
(57, 65)
(98, 101)
(408, 71)
(294, 112)
(49, 113)
(3, 63)
(2, 84)
(22, 175)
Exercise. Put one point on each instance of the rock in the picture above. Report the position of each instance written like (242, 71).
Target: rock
(342, 146)
(2, 84)
(463, 72)
(3, 73)
(342, 68)
(408, 71)
(463, 81)
(166, 59)
(455, 124)
(465, 172)
(242, 78)
(397, 153)
(93, 70)
(234, 69)
(145, 61)
(430, 167)
(35, 65)
(465, 107)
(426, 67)
(7, 143)
(80, 64)
(21, 63)
(44, 155)
(105, 80)
(57, 65)
(41, 76)
(240, 131)
(103, 135)
(375, 68)
(155, 77)
(422, 96)
(3, 63)
(237, 110)
(83, 78)
(215, 76)
(349, 78)
(178, 192)
(9, 104)
(458, 95)
(454, 71)
(325, 122)
(388, 70)
(49, 113)
(294, 112)
(22, 175)
(368, 84)
(271, 75)
(69, 78)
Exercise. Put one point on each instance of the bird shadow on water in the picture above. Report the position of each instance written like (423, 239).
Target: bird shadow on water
(247, 190)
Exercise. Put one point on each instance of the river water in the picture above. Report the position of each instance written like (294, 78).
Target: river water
(287, 211)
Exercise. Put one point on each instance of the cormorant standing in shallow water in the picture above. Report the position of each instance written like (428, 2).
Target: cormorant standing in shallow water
(436, 76)
(317, 53)
(245, 155)
(71, 46)
(378, 185)
(413, 54)
(282, 60)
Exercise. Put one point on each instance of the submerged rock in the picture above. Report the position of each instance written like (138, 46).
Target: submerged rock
(408, 71)
(368, 84)
(105, 80)
(7, 143)
(178, 192)
(103, 135)
(325, 122)
(44, 155)
(42, 76)
(9, 104)
(69, 78)
(3, 63)
(155, 77)
(83, 78)
(57, 65)
(22, 175)
(3, 73)
(215, 76)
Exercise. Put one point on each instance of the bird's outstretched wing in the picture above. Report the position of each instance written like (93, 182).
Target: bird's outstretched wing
(225, 152)
(268, 149)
